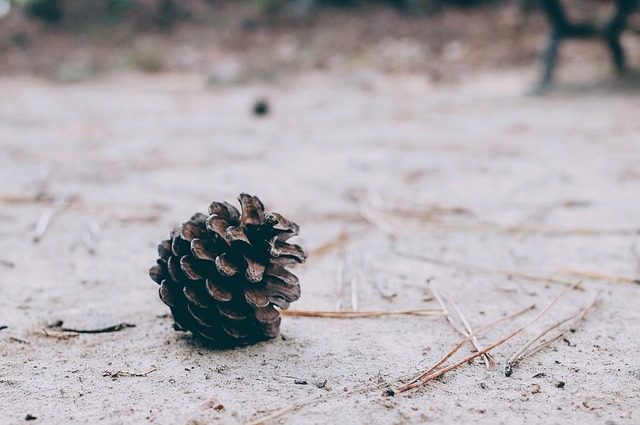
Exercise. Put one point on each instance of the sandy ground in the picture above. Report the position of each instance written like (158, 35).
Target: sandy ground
(487, 182)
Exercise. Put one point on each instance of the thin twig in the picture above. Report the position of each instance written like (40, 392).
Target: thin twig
(337, 243)
(577, 317)
(60, 334)
(530, 230)
(428, 376)
(340, 281)
(353, 283)
(599, 276)
(282, 412)
(379, 221)
(22, 198)
(464, 341)
(483, 270)
(114, 328)
(3, 327)
(362, 314)
(508, 368)
(487, 360)
(120, 373)
(91, 235)
(45, 217)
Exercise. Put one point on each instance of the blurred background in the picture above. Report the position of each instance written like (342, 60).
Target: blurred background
(398, 134)
(237, 41)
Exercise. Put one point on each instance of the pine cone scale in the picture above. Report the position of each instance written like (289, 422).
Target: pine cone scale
(266, 315)
(202, 250)
(165, 294)
(164, 249)
(281, 274)
(218, 226)
(231, 312)
(188, 267)
(252, 210)
(225, 266)
(218, 291)
(226, 211)
(256, 297)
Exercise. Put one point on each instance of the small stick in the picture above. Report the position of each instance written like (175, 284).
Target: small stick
(353, 285)
(379, 221)
(530, 230)
(487, 360)
(339, 242)
(577, 316)
(46, 216)
(508, 368)
(464, 341)
(427, 376)
(636, 255)
(362, 314)
(114, 328)
(423, 379)
(20, 340)
(60, 335)
(91, 235)
(483, 270)
(340, 270)
(127, 373)
(3, 327)
(282, 412)
(599, 276)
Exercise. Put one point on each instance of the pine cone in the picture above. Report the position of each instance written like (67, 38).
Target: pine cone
(223, 275)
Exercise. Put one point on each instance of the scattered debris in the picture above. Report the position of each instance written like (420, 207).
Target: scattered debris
(488, 360)
(338, 242)
(30, 417)
(60, 334)
(261, 108)
(3, 327)
(300, 382)
(120, 373)
(539, 375)
(321, 384)
(20, 340)
(114, 328)
(535, 389)
(576, 317)
(47, 214)
(6, 263)
(212, 403)
(560, 384)
(281, 412)
(599, 276)
(431, 374)
(91, 235)
(478, 269)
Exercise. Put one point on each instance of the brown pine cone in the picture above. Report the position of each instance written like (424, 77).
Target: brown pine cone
(222, 275)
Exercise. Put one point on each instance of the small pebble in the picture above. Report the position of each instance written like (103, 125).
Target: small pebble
(261, 107)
